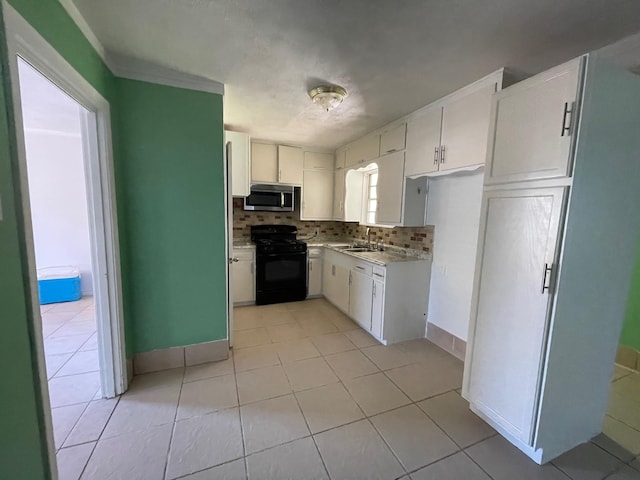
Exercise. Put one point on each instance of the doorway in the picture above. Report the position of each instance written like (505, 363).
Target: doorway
(55, 160)
(98, 318)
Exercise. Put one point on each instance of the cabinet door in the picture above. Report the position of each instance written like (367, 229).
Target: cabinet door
(362, 150)
(318, 161)
(341, 279)
(240, 162)
(377, 308)
(315, 277)
(423, 142)
(338, 194)
(465, 129)
(243, 281)
(393, 140)
(390, 188)
(533, 125)
(264, 163)
(317, 195)
(360, 299)
(328, 281)
(520, 235)
(290, 162)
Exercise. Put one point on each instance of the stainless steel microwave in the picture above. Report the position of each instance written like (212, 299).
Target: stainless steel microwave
(272, 198)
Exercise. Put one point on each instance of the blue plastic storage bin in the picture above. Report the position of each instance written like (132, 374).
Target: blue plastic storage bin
(59, 284)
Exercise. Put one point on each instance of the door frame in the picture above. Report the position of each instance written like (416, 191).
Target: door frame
(25, 42)
(228, 233)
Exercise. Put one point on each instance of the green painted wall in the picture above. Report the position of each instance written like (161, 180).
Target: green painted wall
(22, 442)
(171, 148)
(631, 329)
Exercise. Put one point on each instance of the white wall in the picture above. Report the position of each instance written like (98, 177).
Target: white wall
(57, 187)
(454, 208)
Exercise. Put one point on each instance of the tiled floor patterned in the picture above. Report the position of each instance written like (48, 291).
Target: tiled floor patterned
(306, 395)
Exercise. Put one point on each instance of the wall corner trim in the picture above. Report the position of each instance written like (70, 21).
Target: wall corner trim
(136, 69)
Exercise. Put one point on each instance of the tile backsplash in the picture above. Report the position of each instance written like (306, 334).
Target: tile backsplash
(416, 238)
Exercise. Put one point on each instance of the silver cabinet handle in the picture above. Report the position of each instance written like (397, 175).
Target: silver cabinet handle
(281, 199)
(333, 270)
(435, 156)
(546, 274)
(360, 268)
(251, 267)
(279, 175)
(442, 154)
(310, 265)
(374, 289)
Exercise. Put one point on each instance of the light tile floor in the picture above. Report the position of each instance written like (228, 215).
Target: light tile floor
(308, 395)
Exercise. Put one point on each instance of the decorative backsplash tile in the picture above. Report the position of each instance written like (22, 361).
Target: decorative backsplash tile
(416, 238)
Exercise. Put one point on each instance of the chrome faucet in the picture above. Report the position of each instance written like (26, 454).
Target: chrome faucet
(368, 237)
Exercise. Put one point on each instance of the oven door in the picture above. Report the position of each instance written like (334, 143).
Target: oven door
(281, 277)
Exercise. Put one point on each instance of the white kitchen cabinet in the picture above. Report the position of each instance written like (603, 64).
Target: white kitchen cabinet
(465, 128)
(242, 273)
(363, 150)
(550, 293)
(390, 188)
(338, 194)
(360, 295)
(393, 139)
(377, 305)
(240, 161)
(264, 163)
(534, 127)
(318, 161)
(390, 302)
(290, 165)
(335, 281)
(315, 272)
(518, 263)
(317, 195)
(423, 142)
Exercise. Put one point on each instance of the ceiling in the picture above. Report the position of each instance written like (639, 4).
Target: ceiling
(392, 56)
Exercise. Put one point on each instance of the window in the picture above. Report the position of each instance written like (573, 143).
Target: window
(371, 204)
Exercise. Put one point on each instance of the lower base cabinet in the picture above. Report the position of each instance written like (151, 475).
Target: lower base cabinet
(390, 302)
(360, 297)
(243, 276)
(315, 272)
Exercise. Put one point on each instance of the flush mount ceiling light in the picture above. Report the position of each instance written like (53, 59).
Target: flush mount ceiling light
(327, 96)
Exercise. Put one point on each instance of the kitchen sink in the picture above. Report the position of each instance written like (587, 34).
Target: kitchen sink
(357, 249)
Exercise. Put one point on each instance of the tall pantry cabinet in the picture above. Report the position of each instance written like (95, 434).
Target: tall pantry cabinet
(559, 231)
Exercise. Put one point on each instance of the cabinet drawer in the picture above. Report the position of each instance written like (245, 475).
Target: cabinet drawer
(362, 267)
(315, 252)
(379, 272)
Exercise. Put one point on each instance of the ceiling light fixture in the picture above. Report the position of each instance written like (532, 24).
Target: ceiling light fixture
(327, 96)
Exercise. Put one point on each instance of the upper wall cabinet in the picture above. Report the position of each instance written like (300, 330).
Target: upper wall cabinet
(363, 150)
(276, 164)
(390, 188)
(423, 142)
(290, 165)
(534, 123)
(317, 195)
(238, 155)
(393, 139)
(318, 161)
(264, 163)
(450, 137)
(465, 129)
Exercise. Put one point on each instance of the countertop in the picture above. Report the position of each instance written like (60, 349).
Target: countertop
(391, 254)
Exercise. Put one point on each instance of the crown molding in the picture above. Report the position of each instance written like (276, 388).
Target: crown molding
(84, 27)
(136, 69)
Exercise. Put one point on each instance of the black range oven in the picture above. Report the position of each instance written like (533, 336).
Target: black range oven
(281, 264)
